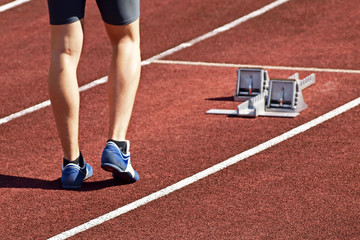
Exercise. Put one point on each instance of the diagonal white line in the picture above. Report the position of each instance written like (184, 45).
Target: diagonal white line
(209, 171)
(48, 103)
(25, 111)
(216, 31)
(13, 4)
(161, 55)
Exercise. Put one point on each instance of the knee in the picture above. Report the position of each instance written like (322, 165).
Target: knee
(61, 49)
(69, 51)
(128, 41)
(66, 41)
(65, 56)
(127, 34)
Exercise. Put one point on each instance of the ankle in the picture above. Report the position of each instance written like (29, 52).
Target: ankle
(78, 161)
(123, 145)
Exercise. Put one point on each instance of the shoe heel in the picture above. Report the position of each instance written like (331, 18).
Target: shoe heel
(108, 168)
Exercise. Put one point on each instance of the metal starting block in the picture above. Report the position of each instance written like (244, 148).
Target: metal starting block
(278, 97)
(250, 82)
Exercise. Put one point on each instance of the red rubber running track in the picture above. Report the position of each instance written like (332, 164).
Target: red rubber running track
(305, 187)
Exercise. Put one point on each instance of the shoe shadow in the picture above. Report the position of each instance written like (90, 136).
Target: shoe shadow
(7, 181)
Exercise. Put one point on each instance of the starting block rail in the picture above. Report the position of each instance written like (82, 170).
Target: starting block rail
(307, 82)
(271, 98)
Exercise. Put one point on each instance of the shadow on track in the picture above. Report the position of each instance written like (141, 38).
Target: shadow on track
(25, 182)
(230, 99)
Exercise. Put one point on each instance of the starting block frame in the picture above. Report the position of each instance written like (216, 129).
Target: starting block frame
(278, 98)
(250, 82)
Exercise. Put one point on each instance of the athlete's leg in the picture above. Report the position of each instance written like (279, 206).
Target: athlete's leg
(124, 76)
(66, 45)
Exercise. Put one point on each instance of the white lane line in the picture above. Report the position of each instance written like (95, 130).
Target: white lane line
(13, 4)
(161, 55)
(210, 64)
(25, 111)
(48, 103)
(216, 31)
(218, 167)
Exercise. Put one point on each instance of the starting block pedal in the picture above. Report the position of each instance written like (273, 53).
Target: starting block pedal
(250, 82)
(279, 97)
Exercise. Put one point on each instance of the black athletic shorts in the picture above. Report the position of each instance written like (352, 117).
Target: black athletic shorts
(115, 12)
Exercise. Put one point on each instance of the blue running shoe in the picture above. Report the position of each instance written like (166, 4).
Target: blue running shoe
(117, 161)
(73, 175)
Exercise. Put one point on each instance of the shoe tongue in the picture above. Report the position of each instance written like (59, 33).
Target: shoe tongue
(122, 145)
(123, 148)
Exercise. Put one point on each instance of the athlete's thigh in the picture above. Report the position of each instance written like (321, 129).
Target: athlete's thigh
(66, 11)
(119, 12)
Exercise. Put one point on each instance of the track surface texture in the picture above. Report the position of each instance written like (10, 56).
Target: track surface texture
(306, 187)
